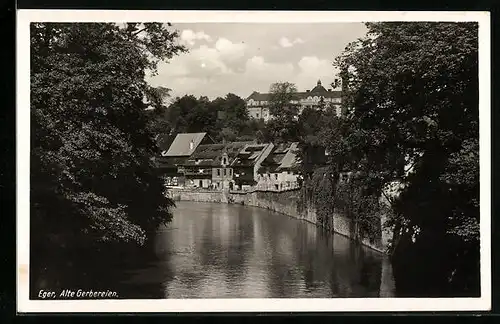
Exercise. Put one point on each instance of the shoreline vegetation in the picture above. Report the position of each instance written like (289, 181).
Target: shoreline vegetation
(289, 203)
(410, 96)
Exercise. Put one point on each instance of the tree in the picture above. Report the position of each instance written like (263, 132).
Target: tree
(413, 90)
(157, 109)
(283, 126)
(157, 96)
(93, 182)
(189, 114)
(255, 129)
(235, 111)
(280, 102)
(228, 134)
(232, 116)
(311, 123)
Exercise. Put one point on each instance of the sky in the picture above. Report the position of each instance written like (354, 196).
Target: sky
(242, 58)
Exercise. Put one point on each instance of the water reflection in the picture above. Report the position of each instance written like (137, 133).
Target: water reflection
(231, 251)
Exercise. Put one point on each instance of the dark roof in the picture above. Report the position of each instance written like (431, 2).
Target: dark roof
(282, 157)
(318, 90)
(181, 144)
(170, 161)
(211, 154)
(257, 96)
(290, 158)
(248, 156)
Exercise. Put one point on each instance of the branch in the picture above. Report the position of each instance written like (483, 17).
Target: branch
(391, 202)
(139, 31)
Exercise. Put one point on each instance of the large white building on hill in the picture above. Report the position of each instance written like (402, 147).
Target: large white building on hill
(258, 103)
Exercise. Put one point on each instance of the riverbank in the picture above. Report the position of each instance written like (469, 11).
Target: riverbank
(283, 202)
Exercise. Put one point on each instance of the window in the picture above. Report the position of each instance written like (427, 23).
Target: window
(276, 176)
(218, 172)
(224, 172)
(230, 171)
(257, 115)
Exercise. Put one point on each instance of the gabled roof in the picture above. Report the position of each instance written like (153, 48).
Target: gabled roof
(300, 95)
(249, 155)
(290, 158)
(181, 144)
(211, 154)
(164, 141)
(257, 96)
(282, 157)
(318, 89)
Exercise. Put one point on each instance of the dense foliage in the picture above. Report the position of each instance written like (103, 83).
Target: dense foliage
(222, 118)
(283, 126)
(413, 94)
(92, 178)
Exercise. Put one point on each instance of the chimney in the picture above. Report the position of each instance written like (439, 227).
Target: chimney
(191, 145)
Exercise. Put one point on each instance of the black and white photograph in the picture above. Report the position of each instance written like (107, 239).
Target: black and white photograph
(244, 161)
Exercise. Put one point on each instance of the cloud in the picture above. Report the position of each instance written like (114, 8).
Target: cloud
(265, 73)
(312, 69)
(201, 65)
(189, 37)
(230, 51)
(313, 64)
(208, 71)
(285, 42)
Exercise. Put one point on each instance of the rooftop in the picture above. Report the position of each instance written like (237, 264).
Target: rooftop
(282, 157)
(181, 144)
(249, 155)
(164, 141)
(211, 154)
(318, 90)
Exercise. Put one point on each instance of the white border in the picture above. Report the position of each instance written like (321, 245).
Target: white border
(24, 17)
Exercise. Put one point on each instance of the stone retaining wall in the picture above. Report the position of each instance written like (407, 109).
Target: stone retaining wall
(284, 202)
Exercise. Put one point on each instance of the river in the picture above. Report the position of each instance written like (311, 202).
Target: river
(213, 250)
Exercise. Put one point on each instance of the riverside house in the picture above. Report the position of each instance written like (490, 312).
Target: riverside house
(278, 170)
(247, 163)
(175, 153)
(210, 165)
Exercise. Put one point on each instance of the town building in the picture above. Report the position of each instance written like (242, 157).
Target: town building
(175, 151)
(258, 103)
(278, 171)
(247, 163)
(209, 166)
